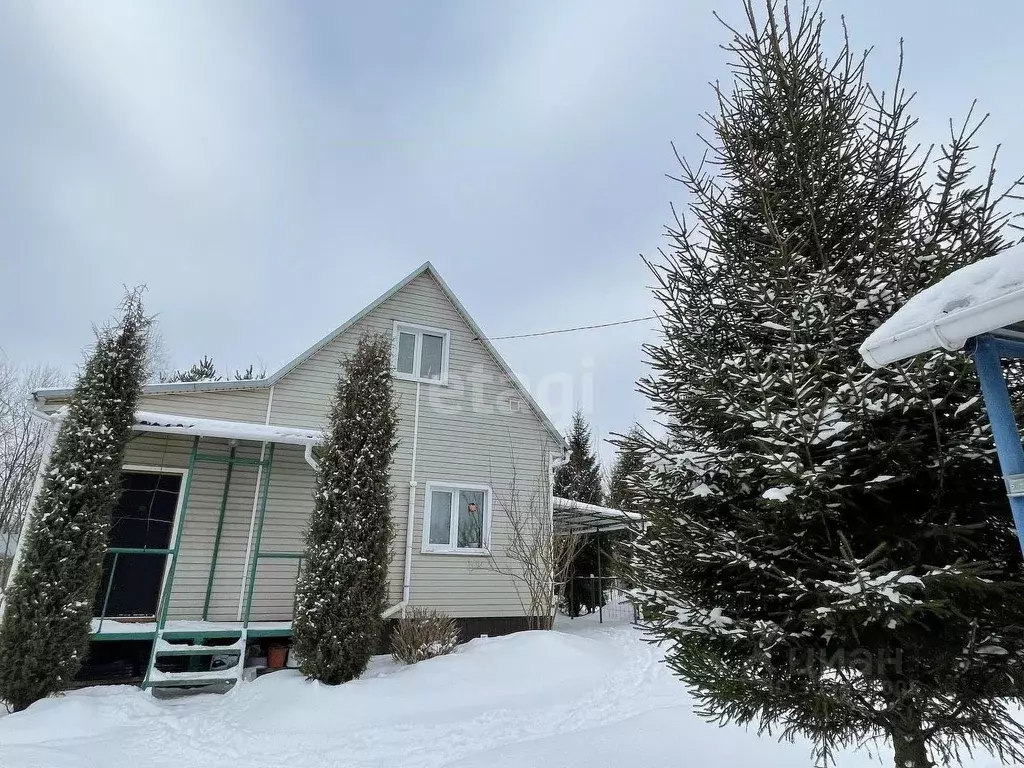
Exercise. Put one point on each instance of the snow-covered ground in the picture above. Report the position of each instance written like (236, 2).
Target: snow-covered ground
(584, 696)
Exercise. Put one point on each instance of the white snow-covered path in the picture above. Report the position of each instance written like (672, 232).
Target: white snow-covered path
(591, 696)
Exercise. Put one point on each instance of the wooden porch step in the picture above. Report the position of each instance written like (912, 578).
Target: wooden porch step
(189, 634)
(191, 682)
(199, 650)
(158, 679)
(164, 648)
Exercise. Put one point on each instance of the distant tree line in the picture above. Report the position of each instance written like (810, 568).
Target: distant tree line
(205, 370)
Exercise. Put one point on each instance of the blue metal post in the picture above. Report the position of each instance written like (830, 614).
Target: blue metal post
(1000, 416)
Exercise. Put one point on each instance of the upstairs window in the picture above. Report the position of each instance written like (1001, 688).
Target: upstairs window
(457, 518)
(420, 353)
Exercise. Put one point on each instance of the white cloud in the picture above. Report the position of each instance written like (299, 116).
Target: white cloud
(269, 168)
(192, 89)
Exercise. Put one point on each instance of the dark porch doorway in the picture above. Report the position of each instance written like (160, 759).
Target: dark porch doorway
(142, 519)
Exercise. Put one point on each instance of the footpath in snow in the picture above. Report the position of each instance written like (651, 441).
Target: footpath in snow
(581, 696)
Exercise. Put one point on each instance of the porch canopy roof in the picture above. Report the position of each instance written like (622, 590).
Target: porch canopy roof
(986, 297)
(576, 517)
(169, 423)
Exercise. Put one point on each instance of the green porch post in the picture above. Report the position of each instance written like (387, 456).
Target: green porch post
(165, 600)
(259, 535)
(220, 531)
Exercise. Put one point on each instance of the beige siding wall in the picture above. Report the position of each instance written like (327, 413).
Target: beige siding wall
(235, 405)
(467, 433)
(288, 505)
(289, 502)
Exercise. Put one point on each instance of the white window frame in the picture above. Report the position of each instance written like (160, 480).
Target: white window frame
(418, 331)
(451, 547)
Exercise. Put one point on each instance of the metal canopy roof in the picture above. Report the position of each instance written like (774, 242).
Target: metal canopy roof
(986, 297)
(169, 423)
(576, 517)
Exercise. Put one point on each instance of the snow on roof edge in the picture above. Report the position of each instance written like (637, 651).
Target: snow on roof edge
(577, 514)
(168, 388)
(979, 298)
(151, 421)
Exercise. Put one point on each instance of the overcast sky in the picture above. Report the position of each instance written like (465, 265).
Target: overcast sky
(269, 168)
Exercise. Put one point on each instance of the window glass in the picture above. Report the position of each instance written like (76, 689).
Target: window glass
(440, 517)
(145, 510)
(406, 352)
(430, 356)
(471, 519)
(142, 518)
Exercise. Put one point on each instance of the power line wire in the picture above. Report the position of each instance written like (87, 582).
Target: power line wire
(570, 330)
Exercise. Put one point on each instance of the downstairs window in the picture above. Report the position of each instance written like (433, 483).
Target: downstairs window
(457, 518)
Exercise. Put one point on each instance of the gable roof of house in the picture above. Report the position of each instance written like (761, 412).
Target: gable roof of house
(181, 387)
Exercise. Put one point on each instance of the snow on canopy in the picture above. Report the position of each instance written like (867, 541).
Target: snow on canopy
(148, 421)
(980, 298)
(572, 515)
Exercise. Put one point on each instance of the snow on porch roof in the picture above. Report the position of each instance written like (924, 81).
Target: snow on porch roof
(169, 423)
(984, 297)
(572, 515)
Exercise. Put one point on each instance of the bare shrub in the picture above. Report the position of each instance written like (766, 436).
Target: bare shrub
(535, 557)
(423, 634)
(21, 448)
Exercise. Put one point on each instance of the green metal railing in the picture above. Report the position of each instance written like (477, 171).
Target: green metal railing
(259, 556)
(117, 552)
(263, 488)
(257, 553)
(264, 463)
(220, 530)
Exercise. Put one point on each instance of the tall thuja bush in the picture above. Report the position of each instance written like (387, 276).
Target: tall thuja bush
(828, 551)
(343, 586)
(48, 606)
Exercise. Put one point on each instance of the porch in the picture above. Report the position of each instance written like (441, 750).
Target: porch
(188, 570)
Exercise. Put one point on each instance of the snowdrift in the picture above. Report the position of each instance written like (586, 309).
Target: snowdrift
(592, 696)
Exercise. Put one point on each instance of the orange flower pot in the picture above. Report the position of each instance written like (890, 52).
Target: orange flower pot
(277, 655)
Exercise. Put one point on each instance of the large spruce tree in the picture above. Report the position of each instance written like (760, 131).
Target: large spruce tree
(45, 631)
(579, 479)
(829, 549)
(626, 472)
(343, 585)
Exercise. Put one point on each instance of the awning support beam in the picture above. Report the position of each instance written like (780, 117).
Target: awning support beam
(1001, 345)
(986, 353)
